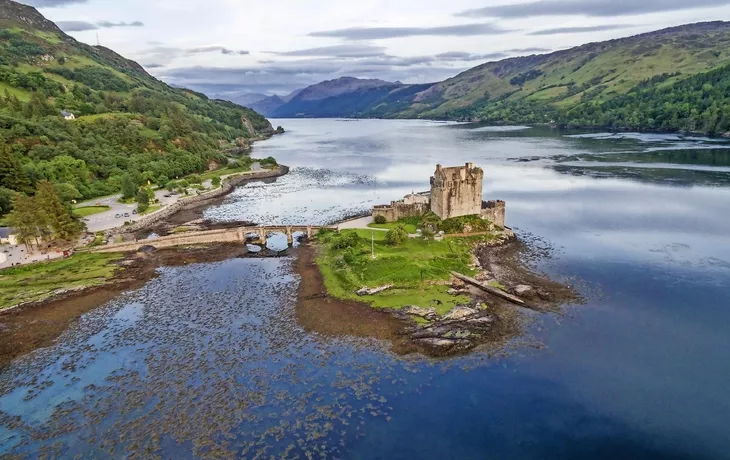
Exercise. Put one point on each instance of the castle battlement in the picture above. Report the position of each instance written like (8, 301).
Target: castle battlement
(455, 192)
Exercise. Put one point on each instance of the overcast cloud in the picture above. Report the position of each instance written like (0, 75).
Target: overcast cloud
(232, 47)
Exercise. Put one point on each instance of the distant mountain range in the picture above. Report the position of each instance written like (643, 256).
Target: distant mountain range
(577, 87)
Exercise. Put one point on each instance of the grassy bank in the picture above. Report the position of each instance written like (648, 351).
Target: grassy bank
(417, 268)
(86, 211)
(34, 282)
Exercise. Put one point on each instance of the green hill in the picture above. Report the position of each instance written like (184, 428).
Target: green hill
(628, 83)
(564, 79)
(126, 121)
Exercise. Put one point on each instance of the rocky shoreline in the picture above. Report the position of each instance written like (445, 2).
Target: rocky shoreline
(488, 322)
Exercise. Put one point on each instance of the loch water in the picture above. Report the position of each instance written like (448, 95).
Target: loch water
(208, 360)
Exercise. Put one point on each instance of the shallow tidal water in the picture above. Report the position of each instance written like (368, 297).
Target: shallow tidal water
(208, 360)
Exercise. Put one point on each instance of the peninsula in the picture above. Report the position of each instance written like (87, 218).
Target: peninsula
(443, 260)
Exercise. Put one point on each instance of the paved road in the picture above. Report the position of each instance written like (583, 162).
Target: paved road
(106, 220)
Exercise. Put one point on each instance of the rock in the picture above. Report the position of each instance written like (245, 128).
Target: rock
(460, 313)
(457, 291)
(372, 291)
(439, 343)
(482, 276)
(458, 284)
(420, 311)
(146, 249)
(481, 321)
(522, 289)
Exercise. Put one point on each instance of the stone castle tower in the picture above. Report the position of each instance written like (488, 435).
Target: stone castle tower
(457, 191)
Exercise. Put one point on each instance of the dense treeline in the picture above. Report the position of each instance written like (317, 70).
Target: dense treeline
(700, 103)
(127, 123)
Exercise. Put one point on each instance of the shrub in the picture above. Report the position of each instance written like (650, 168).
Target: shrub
(216, 181)
(347, 240)
(380, 220)
(397, 236)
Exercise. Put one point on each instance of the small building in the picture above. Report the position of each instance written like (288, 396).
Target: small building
(68, 115)
(7, 236)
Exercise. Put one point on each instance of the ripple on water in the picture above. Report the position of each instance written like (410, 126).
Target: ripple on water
(208, 360)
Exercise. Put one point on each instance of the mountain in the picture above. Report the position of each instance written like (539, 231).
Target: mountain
(575, 87)
(246, 99)
(324, 99)
(591, 72)
(84, 117)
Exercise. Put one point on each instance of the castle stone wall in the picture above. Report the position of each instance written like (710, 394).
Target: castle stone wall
(494, 211)
(457, 191)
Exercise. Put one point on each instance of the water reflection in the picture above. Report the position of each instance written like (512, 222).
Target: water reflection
(209, 361)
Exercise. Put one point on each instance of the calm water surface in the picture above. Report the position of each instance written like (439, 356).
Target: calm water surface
(209, 361)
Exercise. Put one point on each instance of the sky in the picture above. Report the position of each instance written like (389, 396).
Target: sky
(231, 47)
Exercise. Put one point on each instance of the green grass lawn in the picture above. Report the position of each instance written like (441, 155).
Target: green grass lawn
(410, 228)
(415, 269)
(86, 211)
(151, 209)
(34, 282)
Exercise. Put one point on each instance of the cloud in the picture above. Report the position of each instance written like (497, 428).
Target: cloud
(51, 3)
(286, 76)
(528, 50)
(375, 33)
(467, 57)
(579, 30)
(345, 51)
(595, 8)
(215, 49)
(81, 26)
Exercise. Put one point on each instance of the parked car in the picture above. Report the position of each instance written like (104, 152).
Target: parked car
(117, 216)
(126, 214)
(167, 195)
(134, 212)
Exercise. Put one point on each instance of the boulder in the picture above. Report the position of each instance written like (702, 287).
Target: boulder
(420, 311)
(460, 313)
(372, 291)
(458, 284)
(146, 249)
(523, 290)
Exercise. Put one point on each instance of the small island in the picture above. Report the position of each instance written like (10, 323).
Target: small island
(442, 260)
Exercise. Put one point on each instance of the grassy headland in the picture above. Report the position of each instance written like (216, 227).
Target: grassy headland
(418, 269)
(34, 282)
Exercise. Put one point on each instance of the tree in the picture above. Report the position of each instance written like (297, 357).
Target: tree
(129, 187)
(143, 200)
(25, 220)
(380, 219)
(67, 192)
(396, 236)
(6, 200)
(59, 218)
(11, 174)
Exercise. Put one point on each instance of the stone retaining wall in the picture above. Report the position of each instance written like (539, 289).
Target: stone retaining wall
(194, 201)
(235, 235)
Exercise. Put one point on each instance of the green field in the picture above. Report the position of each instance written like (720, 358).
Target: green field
(410, 228)
(86, 211)
(417, 269)
(151, 209)
(35, 282)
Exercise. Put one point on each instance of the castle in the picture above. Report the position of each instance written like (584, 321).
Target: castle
(455, 192)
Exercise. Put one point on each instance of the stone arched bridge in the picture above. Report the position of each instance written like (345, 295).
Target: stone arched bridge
(229, 235)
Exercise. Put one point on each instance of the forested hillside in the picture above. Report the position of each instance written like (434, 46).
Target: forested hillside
(126, 122)
(672, 79)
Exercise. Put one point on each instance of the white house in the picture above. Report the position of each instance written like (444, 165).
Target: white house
(7, 236)
(68, 115)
